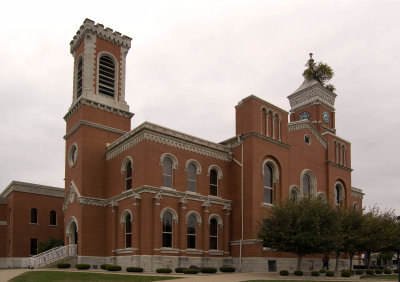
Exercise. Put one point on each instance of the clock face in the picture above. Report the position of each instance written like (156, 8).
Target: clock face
(304, 115)
(325, 116)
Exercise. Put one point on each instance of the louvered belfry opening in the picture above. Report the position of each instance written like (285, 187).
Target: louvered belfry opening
(79, 78)
(106, 76)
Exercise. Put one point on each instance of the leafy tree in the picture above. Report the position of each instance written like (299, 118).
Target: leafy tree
(303, 227)
(51, 243)
(320, 72)
(352, 223)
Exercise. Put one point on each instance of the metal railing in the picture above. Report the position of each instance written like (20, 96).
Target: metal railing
(52, 255)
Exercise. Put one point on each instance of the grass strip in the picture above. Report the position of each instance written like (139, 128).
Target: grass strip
(48, 276)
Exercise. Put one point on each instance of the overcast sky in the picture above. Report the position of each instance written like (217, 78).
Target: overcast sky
(191, 62)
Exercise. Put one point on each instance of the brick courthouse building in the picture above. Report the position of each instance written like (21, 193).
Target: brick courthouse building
(155, 197)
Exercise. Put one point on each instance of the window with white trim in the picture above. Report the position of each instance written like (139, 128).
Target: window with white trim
(191, 231)
(213, 182)
(128, 175)
(167, 172)
(128, 231)
(191, 177)
(167, 230)
(213, 234)
(306, 185)
(268, 184)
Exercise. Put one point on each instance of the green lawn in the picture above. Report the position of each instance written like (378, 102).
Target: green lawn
(45, 276)
(381, 277)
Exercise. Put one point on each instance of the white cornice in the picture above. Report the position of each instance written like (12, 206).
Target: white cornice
(83, 101)
(98, 29)
(310, 95)
(17, 186)
(135, 194)
(306, 124)
(334, 135)
(95, 125)
(166, 136)
(357, 193)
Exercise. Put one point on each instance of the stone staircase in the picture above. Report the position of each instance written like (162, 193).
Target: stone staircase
(52, 256)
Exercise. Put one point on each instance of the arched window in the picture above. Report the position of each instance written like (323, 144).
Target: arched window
(53, 218)
(79, 78)
(306, 185)
(213, 234)
(34, 216)
(106, 76)
(128, 231)
(293, 195)
(268, 184)
(167, 172)
(355, 206)
(214, 182)
(128, 176)
(191, 177)
(191, 231)
(167, 230)
(337, 194)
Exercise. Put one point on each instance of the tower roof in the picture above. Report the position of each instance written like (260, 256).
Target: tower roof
(311, 92)
(98, 29)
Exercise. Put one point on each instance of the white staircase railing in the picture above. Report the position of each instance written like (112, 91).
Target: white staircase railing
(51, 256)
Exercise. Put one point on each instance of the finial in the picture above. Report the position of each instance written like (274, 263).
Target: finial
(310, 62)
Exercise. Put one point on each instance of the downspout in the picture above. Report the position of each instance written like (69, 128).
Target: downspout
(241, 205)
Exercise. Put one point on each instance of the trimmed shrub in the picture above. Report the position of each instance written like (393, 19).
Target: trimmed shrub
(63, 265)
(112, 267)
(208, 269)
(103, 266)
(378, 271)
(315, 273)
(346, 273)
(190, 271)
(194, 267)
(134, 269)
(179, 269)
(163, 270)
(330, 273)
(396, 270)
(227, 269)
(360, 271)
(284, 273)
(387, 271)
(82, 266)
(370, 272)
(298, 273)
(322, 270)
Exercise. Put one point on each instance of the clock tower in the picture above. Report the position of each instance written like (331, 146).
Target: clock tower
(313, 101)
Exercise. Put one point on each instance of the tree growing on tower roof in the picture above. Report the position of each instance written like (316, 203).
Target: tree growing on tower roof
(320, 72)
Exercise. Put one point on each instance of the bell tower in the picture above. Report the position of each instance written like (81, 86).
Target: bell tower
(313, 101)
(99, 113)
(98, 116)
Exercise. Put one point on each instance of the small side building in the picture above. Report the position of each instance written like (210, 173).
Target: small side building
(29, 214)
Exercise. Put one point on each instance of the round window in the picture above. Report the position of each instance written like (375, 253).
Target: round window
(73, 155)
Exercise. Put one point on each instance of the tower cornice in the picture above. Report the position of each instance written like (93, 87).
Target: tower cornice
(98, 29)
(310, 93)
